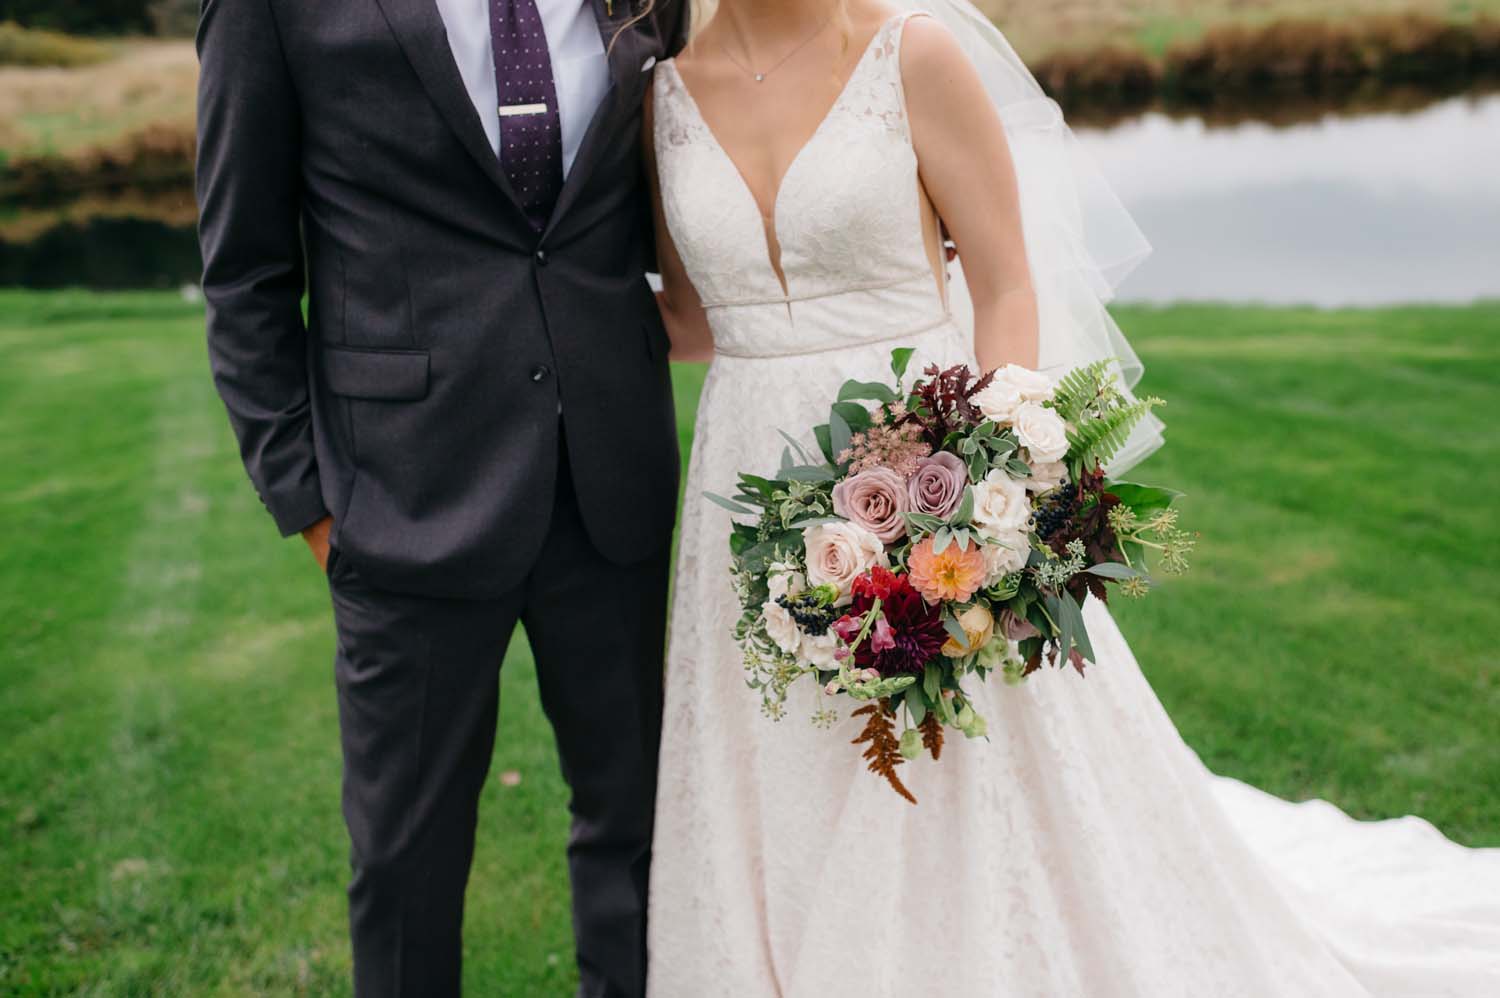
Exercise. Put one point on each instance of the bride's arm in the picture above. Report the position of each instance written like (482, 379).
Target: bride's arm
(681, 309)
(966, 169)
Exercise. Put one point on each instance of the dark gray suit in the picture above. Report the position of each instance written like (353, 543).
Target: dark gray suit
(340, 154)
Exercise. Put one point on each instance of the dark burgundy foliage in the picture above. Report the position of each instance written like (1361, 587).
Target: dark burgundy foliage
(942, 402)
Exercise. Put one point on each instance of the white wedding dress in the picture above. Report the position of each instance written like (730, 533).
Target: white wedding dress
(1083, 850)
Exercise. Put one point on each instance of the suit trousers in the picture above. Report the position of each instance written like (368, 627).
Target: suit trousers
(418, 695)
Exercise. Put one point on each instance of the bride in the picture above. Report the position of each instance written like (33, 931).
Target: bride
(809, 155)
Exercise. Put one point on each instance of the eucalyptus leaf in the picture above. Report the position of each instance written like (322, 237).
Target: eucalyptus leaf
(825, 444)
(1112, 570)
(802, 454)
(965, 511)
(838, 434)
(812, 473)
(956, 632)
(932, 683)
(728, 504)
(918, 708)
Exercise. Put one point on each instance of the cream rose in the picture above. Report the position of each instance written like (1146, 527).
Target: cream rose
(978, 625)
(1012, 387)
(837, 553)
(781, 628)
(1005, 554)
(1046, 476)
(1042, 432)
(785, 580)
(1001, 504)
(821, 650)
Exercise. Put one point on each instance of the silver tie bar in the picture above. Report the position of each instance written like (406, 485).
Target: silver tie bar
(516, 110)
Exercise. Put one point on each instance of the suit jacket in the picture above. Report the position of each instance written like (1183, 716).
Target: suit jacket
(417, 401)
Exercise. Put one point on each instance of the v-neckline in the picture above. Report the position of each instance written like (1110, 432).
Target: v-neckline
(773, 234)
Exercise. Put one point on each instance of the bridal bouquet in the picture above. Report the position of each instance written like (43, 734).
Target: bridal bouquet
(948, 530)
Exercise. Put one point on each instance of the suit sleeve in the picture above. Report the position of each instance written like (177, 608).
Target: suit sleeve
(249, 203)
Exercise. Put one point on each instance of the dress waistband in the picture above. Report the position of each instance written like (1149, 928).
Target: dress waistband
(945, 319)
(925, 272)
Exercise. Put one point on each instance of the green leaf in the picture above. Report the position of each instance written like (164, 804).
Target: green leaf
(1070, 617)
(941, 540)
(871, 390)
(1112, 570)
(1143, 498)
(932, 683)
(838, 434)
(856, 415)
(900, 358)
(825, 442)
(1017, 468)
(918, 708)
(728, 504)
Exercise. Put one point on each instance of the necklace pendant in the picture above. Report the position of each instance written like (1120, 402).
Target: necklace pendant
(760, 77)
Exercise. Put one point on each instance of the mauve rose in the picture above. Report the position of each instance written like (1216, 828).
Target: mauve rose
(1016, 628)
(874, 499)
(938, 484)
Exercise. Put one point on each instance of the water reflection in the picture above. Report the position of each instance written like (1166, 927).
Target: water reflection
(1377, 209)
(1394, 206)
(103, 240)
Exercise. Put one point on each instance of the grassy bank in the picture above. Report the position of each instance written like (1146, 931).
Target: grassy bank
(82, 123)
(169, 776)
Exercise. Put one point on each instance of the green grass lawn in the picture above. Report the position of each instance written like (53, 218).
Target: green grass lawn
(169, 767)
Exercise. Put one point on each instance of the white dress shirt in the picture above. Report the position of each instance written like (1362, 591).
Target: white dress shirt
(580, 69)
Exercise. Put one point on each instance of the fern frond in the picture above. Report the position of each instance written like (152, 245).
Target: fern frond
(1096, 439)
(1081, 389)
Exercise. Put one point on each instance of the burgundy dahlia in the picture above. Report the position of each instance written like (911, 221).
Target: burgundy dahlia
(913, 631)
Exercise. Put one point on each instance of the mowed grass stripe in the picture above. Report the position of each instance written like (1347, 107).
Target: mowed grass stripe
(169, 772)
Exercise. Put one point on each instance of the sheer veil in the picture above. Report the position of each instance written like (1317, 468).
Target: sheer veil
(1080, 241)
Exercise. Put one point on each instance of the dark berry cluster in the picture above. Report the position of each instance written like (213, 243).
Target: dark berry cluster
(813, 617)
(1056, 510)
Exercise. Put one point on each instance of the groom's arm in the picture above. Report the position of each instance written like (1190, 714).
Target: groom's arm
(249, 202)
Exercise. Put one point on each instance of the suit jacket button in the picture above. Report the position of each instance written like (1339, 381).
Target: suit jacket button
(541, 258)
(541, 373)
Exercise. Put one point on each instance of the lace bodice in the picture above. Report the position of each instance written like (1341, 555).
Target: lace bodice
(847, 218)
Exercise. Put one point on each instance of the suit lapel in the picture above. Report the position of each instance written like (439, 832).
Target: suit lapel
(419, 29)
(624, 71)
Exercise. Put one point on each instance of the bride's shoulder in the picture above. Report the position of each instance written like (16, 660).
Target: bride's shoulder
(926, 43)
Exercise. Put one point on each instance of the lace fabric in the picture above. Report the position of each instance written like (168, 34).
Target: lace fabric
(1083, 850)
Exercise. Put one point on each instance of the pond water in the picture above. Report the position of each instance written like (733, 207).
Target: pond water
(1375, 209)
(1369, 209)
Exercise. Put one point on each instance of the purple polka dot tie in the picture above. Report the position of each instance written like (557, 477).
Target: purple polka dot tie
(530, 129)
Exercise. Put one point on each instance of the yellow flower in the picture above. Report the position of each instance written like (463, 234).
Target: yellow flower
(979, 627)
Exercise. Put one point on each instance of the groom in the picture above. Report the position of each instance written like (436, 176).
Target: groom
(472, 426)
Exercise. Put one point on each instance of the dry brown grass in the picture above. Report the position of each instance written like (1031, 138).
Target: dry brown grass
(62, 112)
(1040, 27)
(28, 47)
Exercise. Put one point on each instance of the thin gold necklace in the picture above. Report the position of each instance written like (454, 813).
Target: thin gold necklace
(761, 76)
